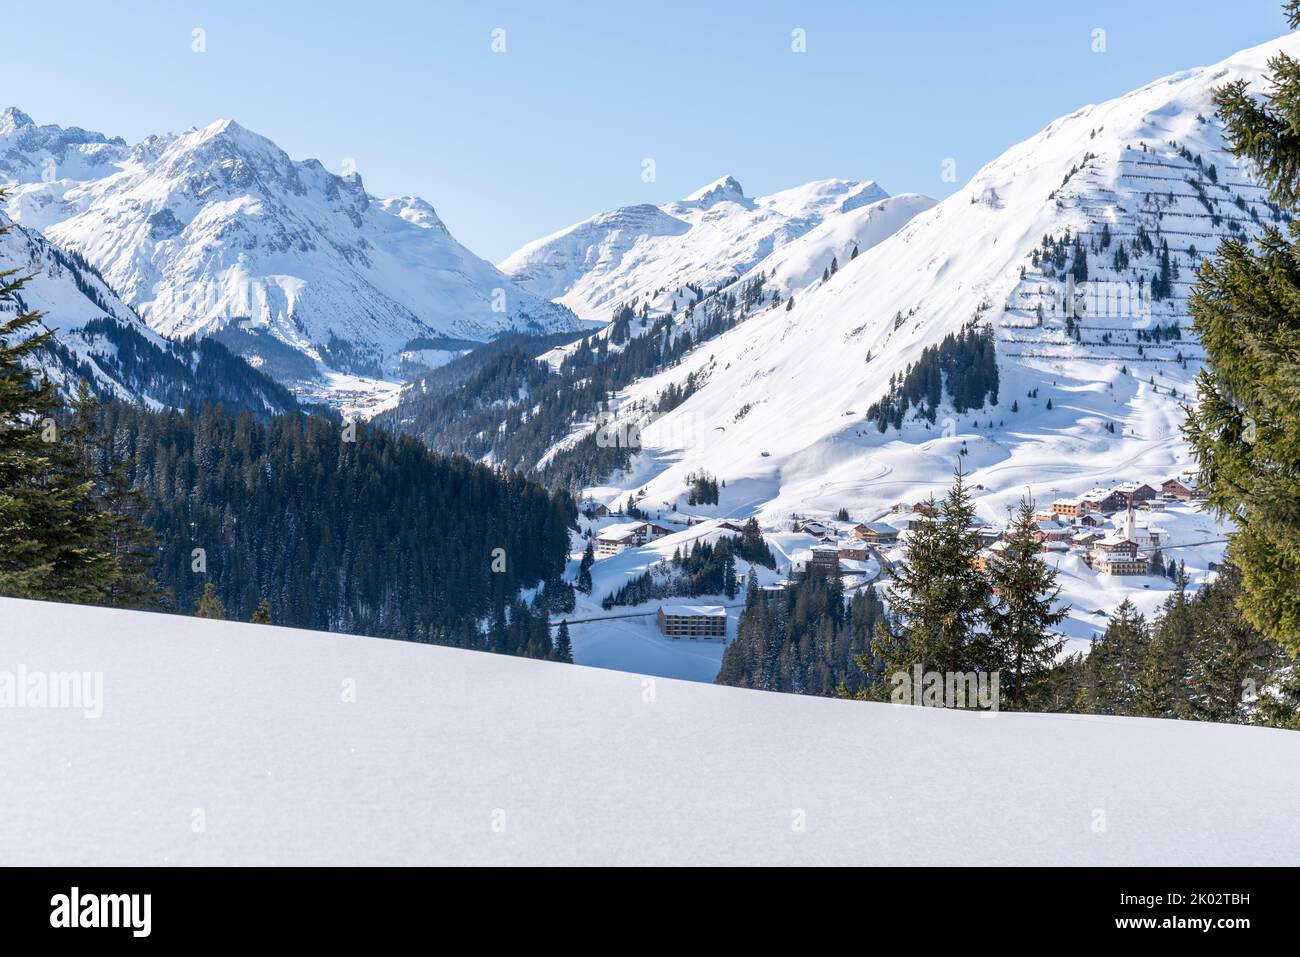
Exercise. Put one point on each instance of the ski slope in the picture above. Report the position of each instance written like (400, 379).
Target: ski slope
(222, 743)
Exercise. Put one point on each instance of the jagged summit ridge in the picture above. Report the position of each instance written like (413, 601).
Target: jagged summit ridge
(653, 254)
(217, 231)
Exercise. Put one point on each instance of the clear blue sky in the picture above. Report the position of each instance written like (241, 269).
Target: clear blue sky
(511, 146)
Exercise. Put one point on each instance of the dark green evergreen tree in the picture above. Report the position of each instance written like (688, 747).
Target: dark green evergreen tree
(52, 528)
(584, 569)
(940, 602)
(1109, 682)
(563, 644)
(1024, 612)
(1245, 430)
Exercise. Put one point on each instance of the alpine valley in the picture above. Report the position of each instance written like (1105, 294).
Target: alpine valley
(826, 354)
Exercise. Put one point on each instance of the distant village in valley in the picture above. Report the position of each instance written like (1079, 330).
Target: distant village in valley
(1121, 532)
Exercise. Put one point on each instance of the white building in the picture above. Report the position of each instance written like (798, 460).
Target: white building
(615, 539)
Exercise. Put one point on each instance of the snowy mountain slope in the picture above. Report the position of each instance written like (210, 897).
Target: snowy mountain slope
(100, 339)
(218, 231)
(648, 253)
(800, 263)
(341, 750)
(781, 415)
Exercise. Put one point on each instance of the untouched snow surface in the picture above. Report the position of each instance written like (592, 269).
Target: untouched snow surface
(224, 743)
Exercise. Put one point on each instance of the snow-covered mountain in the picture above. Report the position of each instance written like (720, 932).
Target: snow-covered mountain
(778, 406)
(216, 231)
(342, 750)
(100, 339)
(34, 154)
(650, 254)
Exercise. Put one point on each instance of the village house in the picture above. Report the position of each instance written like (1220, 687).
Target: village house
(1113, 556)
(817, 529)
(1135, 491)
(877, 533)
(1182, 487)
(616, 539)
(907, 521)
(856, 550)
(826, 554)
(1052, 532)
(985, 555)
(693, 621)
(1069, 507)
(593, 509)
(1102, 500)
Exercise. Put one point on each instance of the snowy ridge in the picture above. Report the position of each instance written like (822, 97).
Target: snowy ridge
(582, 765)
(33, 154)
(218, 231)
(648, 253)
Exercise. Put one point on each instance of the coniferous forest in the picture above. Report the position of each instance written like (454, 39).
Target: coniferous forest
(336, 527)
(963, 367)
(806, 640)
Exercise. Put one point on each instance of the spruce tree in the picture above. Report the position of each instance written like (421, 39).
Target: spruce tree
(51, 527)
(1228, 660)
(1024, 611)
(263, 614)
(940, 602)
(1245, 430)
(584, 570)
(1161, 678)
(209, 604)
(1109, 684)
(563, 644)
